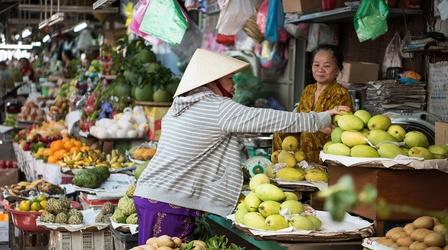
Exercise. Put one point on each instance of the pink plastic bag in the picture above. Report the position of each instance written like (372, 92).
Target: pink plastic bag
(262, 16)
(139, 13)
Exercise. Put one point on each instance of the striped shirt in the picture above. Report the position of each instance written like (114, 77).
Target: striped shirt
(197, 164)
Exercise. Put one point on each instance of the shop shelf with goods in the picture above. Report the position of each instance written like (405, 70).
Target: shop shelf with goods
(343, 14)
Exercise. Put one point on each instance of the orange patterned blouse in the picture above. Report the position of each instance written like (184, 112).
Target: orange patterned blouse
(312, 143)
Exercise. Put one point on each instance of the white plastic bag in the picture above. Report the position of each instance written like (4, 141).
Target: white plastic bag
(392, 57)
(233, 15)
(319, 33)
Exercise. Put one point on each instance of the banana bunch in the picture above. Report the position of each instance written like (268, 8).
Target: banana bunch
(82, 159)
(25, 188)
(115, 159)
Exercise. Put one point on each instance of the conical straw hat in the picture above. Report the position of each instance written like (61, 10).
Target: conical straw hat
(206, 66)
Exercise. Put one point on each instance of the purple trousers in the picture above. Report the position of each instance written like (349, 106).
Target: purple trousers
(157, 218)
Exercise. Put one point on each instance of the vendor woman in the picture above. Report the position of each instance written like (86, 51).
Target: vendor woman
(196, 168)
(323, 95)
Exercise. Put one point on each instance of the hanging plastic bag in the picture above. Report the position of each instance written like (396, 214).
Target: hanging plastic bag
(190, 42)
(139, 13)
(233, 15)
(274, 21)
(262, 16)
(320, 33)
(392, 57)
(406, 40)
(165, 20)
(370, 20)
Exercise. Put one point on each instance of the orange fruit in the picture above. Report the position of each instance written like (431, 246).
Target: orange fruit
(74, 150)
(56, 145)
(68, 145)
(52, 159)
(58, 154)
(77, 143)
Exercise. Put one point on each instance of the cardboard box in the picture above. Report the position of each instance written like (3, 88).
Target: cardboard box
(9, 176)
(301, 6)
(441, 134)
(359, 72)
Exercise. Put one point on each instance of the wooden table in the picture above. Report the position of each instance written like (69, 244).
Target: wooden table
(400, 185)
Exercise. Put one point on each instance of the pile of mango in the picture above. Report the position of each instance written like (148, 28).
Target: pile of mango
(361, 135)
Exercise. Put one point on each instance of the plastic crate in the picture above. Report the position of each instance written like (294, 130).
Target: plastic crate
(124, 241)
(99, 240)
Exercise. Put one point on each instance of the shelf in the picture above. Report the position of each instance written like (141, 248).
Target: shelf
(153, 104)
(341, 15)
(102, 3)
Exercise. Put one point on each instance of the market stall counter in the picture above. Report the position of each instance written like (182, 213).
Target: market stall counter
(400, 182)
(224, 226)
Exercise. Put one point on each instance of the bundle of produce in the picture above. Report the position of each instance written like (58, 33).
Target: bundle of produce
(267, 207)
(361, 135)
(62, 148)
(38, 204)
(59, 211)
(10, 120)
(59, 109)
(26, 189)
(129, 124)
(166, 242)
(143, 153)
(125, 212)
(424, 233)
(106, 213)
(91, 178)
(31, 112)
(285, 164)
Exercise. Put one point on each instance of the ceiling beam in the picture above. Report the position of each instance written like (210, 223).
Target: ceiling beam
(23, 21)
(68, 9)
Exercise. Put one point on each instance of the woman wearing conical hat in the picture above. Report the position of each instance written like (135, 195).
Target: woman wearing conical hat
(196, 168)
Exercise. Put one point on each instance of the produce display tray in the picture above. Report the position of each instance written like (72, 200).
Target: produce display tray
(351, 228)
(301, 186)
(400, 162)
(313, 237)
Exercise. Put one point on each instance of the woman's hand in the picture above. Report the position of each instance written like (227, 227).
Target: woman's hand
(339, 110)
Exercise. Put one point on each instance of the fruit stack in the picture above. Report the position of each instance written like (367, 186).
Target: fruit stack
(285, 164)
(361, 135)
(59, 211)
(25, 188)
(424, 233)
(37, 204)
(125, 212)
(31, 113)
(267, 207)
(59, 109)
(106, 213)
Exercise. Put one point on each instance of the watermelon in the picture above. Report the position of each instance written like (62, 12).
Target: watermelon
(161, 95)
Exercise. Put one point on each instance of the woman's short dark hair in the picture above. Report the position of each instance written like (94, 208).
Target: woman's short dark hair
(333, 50)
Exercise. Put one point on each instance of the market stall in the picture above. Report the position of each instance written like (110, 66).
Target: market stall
(84, 102)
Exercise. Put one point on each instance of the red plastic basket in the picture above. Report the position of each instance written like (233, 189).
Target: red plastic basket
(24, 220)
